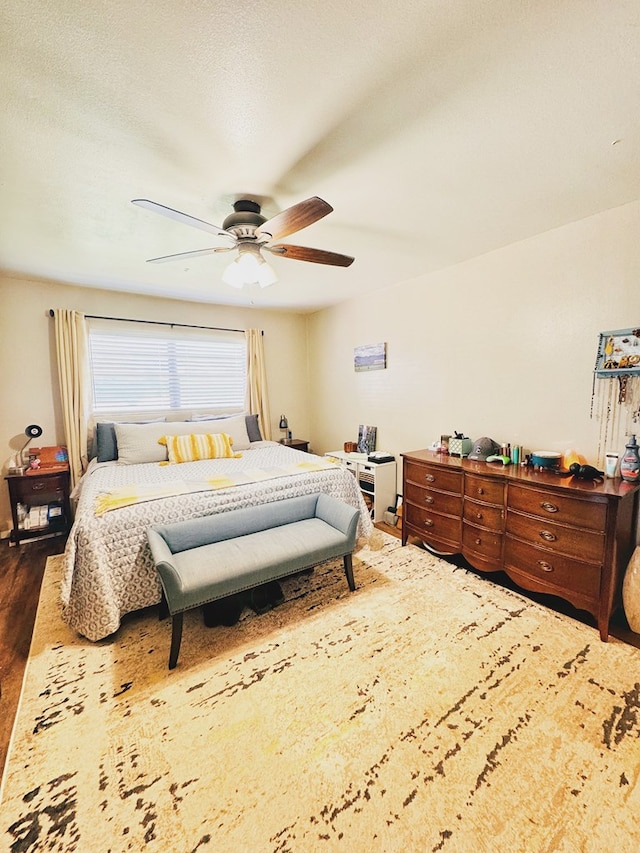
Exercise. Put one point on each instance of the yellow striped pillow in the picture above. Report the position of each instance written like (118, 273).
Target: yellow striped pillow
(193, 447)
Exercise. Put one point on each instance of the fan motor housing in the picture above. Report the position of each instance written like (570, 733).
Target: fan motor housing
(245, 219)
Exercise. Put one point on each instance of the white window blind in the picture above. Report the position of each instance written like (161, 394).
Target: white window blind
(137, 367)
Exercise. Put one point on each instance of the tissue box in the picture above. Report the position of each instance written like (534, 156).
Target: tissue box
(460, 446)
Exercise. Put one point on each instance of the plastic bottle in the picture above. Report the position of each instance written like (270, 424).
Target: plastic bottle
(630, 462)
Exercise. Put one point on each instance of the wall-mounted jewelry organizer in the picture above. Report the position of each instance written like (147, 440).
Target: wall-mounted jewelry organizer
(616, 405)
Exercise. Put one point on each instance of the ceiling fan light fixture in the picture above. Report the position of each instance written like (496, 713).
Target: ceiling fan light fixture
(249, 268)
(266, 275)
(233, 276)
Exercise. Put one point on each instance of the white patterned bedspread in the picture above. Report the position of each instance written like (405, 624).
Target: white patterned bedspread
(109, 570)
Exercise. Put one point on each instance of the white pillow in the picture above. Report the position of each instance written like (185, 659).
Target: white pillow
(195, 416)
(138, 443)
(235, 426)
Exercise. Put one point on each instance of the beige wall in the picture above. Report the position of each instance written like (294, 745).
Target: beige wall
(503, 345)
(29, 389)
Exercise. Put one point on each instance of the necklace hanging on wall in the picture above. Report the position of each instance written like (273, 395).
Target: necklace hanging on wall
(616, 409)
(622, 393)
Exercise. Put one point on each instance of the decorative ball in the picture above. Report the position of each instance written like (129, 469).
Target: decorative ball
(631, 591)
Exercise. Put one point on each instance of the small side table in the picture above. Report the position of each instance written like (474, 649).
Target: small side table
(296, 443)
(45, 505)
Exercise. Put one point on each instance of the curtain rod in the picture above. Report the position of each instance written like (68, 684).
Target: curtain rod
(157, 323)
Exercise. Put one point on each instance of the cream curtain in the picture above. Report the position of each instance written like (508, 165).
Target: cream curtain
(73, 372)
(257, 395)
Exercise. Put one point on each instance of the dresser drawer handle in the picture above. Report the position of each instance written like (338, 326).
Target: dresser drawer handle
(428, 522)
(549, 537)
(478, 515)
(36, 487)
(546, 567)
(428, 499)
(549, 507)
(429, 478)
(480, 490)
(478, 541)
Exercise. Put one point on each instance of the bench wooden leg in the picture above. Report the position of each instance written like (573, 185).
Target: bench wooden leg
(164, 608)
(176, 638)
(348, 570)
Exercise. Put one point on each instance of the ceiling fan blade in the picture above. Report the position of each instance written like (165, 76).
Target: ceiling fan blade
(182, 255)
(316, 256)
(294, 218)
(182, 217)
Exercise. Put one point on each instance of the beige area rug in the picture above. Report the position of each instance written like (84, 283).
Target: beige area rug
(429, 710)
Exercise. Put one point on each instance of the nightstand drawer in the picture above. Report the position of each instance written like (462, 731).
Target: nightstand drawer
(54, 484)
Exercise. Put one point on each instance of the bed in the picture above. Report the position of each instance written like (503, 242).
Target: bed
(109, 570)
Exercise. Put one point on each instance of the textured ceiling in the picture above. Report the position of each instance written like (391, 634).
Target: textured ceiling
(437, 129)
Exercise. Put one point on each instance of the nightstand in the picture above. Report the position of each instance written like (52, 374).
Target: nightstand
(296, 443)
(40, 504)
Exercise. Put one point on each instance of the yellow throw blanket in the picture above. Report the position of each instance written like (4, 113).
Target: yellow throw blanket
(134, 494)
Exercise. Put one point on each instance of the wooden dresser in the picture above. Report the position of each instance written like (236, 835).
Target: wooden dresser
(550, 534)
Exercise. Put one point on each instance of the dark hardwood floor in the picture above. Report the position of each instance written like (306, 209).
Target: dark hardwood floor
(21, 570)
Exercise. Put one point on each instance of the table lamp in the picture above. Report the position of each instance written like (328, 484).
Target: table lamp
(284, 426)
(17, 465)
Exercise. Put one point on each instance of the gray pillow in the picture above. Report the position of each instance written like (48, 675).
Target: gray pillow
(253, 428)
(106, 443)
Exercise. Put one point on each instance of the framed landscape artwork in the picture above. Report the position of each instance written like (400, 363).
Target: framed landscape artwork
(370, 357)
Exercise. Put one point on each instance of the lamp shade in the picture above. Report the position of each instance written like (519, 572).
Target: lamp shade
(32, 431)
(249, 268)
(284, 424)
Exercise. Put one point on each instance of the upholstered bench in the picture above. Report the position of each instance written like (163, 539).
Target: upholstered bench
(204, 559)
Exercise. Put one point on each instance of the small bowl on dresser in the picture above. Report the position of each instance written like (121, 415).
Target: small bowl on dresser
(546, 458)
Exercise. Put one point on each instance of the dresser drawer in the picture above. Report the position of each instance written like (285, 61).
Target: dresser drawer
(445, 502)
(582, 544)
(433, 477)
(426, 523)
(484, 489)
(483, 514)
(564, 573)
(561, 508)
(487, 543)
(566, 537)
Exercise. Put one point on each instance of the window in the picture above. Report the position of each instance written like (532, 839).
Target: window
(138, 367)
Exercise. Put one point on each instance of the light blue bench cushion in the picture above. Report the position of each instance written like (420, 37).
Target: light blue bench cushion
(222, 568)
(209, 558)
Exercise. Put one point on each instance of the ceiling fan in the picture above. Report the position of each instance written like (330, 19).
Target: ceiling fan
(248, 232)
